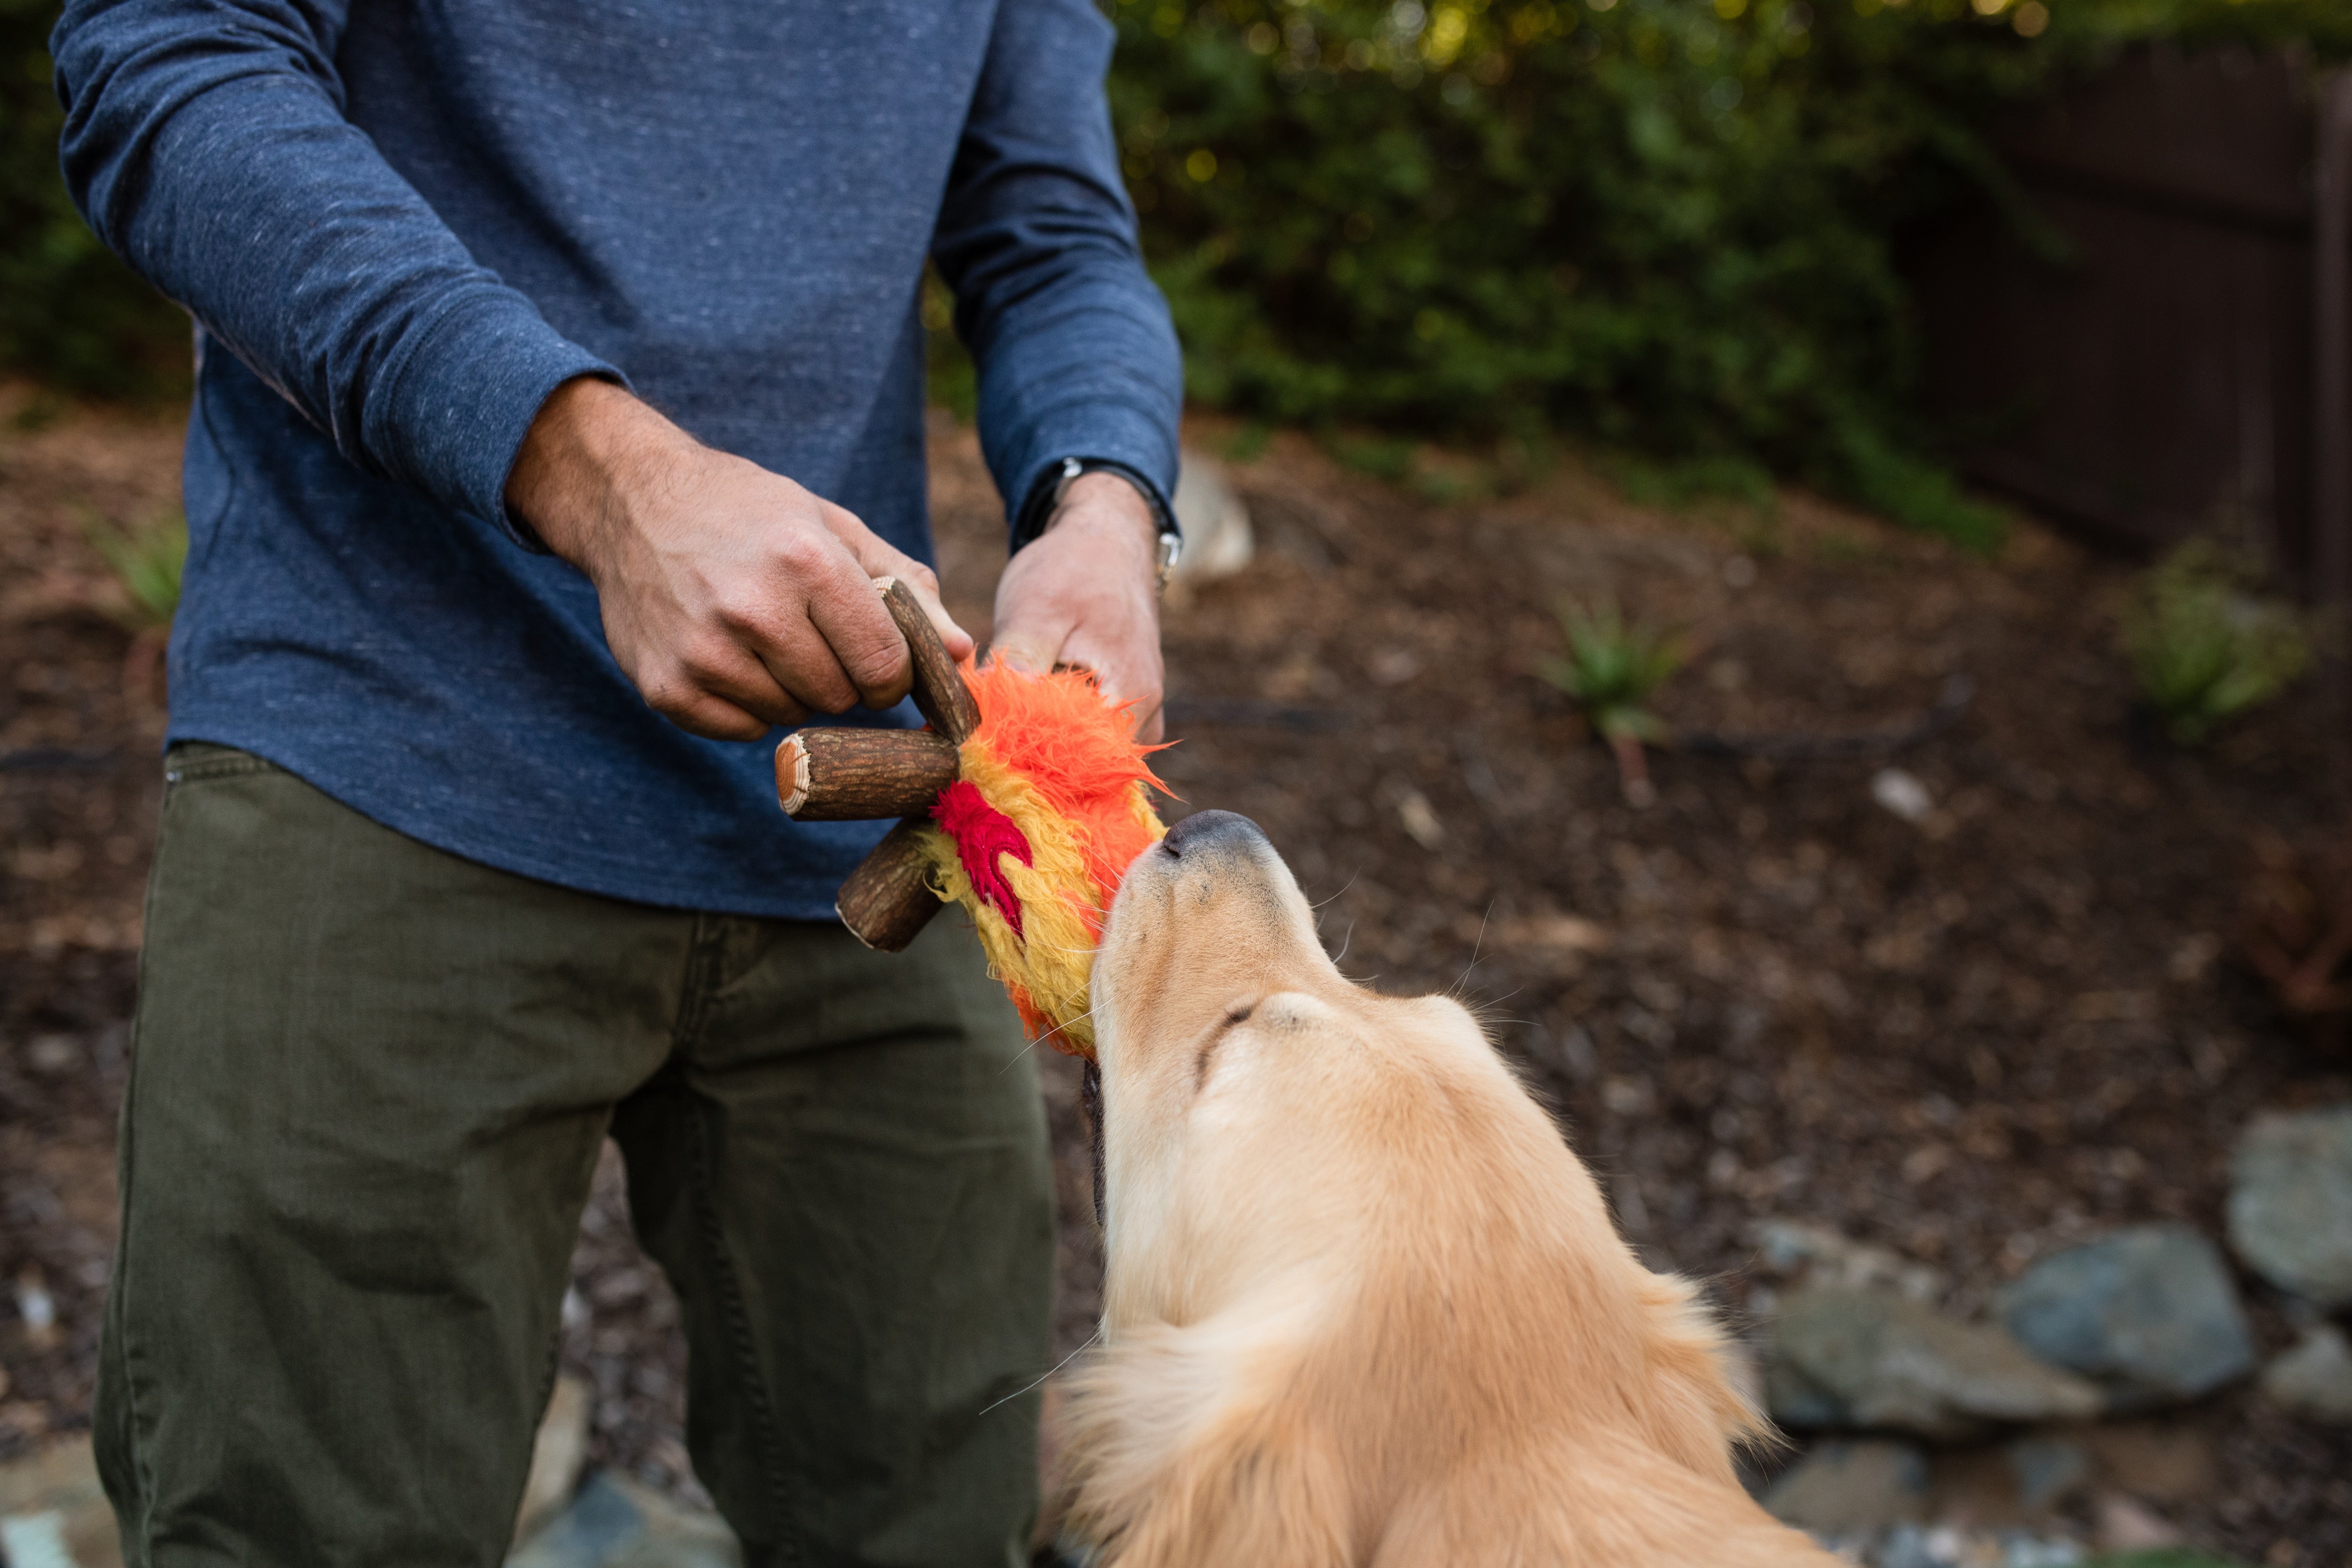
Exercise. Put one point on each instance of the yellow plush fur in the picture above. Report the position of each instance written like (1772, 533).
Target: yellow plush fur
(1052, 956)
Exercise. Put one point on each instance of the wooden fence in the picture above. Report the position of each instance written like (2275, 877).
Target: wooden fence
(2185, 364)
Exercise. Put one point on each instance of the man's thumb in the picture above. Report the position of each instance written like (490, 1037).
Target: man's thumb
(1025, 651)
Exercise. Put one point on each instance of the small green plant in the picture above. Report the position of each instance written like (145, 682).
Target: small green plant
(1611, 666)
(1383, 457)
(2205, 645)
(145, 558)
(1248, 443)
(1676, 486)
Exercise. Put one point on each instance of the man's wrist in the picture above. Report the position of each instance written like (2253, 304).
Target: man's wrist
(1106, 498)
(1047, 491)
(1113, 511)
(1115, 489)
(591, 441)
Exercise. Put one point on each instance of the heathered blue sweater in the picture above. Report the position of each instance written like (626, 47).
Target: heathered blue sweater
(400, 225)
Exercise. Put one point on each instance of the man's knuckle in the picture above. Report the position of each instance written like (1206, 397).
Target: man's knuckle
(669, 695)
(700, 663)
(802, 555)
(737, 612)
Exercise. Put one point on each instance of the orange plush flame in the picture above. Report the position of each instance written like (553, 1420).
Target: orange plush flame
(1047, 814)
(1081, 755)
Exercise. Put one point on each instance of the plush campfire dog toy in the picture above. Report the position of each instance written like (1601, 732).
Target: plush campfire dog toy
(1023, 802)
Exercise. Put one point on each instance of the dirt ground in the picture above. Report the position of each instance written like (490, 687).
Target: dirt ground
(1973, 1039)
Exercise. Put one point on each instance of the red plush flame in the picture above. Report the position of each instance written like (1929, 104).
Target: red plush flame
(981, 833)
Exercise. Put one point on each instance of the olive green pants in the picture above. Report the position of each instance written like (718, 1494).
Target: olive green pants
(369, 1084)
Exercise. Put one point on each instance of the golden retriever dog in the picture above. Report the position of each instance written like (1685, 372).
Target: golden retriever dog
(1363, 1306)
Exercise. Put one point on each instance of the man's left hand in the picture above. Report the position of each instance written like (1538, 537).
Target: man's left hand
(1086, 592)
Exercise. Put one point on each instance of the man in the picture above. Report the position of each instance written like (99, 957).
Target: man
(560, 393)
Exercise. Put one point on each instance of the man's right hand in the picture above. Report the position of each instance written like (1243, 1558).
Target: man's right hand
(731, 597)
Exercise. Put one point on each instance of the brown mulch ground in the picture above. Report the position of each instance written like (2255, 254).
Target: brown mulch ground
(1972, 1039)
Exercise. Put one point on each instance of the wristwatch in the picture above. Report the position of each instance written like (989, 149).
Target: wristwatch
(1046, 499)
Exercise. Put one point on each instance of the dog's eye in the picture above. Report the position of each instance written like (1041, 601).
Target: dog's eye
(1240, 1014)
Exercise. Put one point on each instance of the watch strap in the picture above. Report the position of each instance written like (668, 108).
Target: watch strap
(1045, 497)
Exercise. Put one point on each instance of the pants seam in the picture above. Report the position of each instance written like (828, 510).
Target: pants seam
(705, 973)
(739, 1332)
(704, 953)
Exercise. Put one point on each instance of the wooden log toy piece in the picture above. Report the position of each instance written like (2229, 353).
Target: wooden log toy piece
(887, 900)
(857, 775)
(829, 775)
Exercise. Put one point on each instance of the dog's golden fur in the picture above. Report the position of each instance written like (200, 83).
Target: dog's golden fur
(1363, 1305)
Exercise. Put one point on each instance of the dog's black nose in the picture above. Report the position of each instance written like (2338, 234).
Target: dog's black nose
(1204, 828)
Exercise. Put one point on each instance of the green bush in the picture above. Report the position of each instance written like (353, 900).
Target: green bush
(1666, 224)
(71, 313)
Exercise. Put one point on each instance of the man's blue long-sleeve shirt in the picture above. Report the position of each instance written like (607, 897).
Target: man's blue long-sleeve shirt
(399, 226)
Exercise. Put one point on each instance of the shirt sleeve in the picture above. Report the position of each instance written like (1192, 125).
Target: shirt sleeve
(1076, 352)
(206, 142)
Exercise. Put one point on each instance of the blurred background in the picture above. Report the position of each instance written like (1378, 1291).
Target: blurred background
(1790, 552)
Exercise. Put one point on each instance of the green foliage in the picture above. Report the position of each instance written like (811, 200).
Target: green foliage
(69, 312)
(146, 559)
(2204, 645)
(953, 381)
(1675, 484)
(1611, 666)
(1667, 224)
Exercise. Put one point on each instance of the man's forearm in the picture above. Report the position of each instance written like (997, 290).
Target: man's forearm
(221, 166)
(1075, 349)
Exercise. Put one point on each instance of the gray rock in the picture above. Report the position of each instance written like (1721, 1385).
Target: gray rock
(1947, 1546)
(1797, 1401)
(2314, 1379)
(1843, 1488)
(1819, 1256)
(617, 1523)
(2291, 1203)
(2149, 1313)
(1218, 540)
(557, 1454)
(53, 1513)
(1895, 1365)
(2048, 1471)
